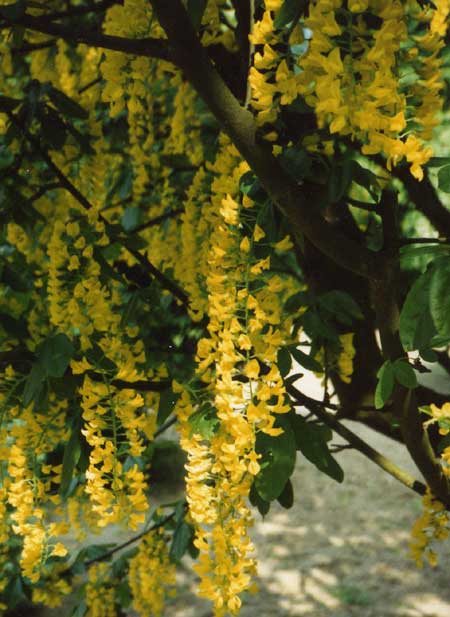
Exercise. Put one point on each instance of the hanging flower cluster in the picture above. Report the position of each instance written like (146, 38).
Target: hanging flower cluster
(31, 487)
(356, 88)
(100, 596)
(433, 525)
(151, 575)
(351, 73)
(441, 416)
(232, 399)
(272, 80)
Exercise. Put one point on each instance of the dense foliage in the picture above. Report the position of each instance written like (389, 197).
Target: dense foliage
(200, 201)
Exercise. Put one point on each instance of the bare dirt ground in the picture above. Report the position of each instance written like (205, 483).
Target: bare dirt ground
(341, 551)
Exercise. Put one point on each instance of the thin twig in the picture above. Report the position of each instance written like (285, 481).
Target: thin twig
(165, 281)
(132, 540)
(440, 240)
(43, 189)
(379, 459)
(165, 426)
(327, 405)
(362, 205)
(158, 219)
(140, 385)
(94, 82)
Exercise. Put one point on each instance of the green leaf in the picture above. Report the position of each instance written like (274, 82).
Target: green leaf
(71, 457)
(413, 311)
(438, 161)
(66, 105)
(6, 158)
(341, 305)
(204, 422)
(130, 310)
(296, 162)
(428, 355)
(55, 354)
(404, 374)
(308, 362)
(286, 499)
(167, 400)
(385, 384)
(365, 178)
(182, 538)
(8, 104)
(123, 593)
(440, 297)
(444, 424)
(34, 383)
(131, 218)
(14, 279)
(290, 11)
(257, 501)
(340, 180)
(277, 462)
(14, 592)
(318, 329)
(297, 301)
(444, 443)
(284, 361)
(14, 327)
(196, 8)
(311, 440)
(411, 251)
(444, 179)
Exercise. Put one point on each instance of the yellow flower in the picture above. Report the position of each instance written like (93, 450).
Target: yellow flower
(258, 233)
(252, 369)
(59, 550)
(245, 245)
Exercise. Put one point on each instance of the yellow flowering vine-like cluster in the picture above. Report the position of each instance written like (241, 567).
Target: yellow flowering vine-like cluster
(378, 85)
(432, 525)
(151, 575)
(232, 399)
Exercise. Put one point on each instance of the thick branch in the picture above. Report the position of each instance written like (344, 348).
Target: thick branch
(424, 196)
(384, 298)
(148, 47)
(303, 214)
(244, 13)
(359, 444)
(78, 11)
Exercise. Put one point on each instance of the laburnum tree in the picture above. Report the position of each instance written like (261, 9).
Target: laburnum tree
(200, 201)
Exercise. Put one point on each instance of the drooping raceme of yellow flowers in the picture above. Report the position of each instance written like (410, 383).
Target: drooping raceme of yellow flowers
(432, 525)
(245, 329)
(351, 74)
(100, 594)
(151, 575)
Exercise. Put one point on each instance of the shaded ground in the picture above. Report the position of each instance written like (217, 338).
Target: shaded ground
(341, 551)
